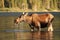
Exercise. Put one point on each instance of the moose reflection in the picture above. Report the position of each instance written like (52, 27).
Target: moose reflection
(37, 21)
(43, 35)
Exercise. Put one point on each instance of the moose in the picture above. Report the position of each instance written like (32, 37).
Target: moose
(37, 21)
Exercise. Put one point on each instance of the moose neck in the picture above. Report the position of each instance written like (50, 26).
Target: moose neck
(28, 19)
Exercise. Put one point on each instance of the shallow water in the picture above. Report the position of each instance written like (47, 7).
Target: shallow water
(43, 35)
(10, 31)
(34, 35)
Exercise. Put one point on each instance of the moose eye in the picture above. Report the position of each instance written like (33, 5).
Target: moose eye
(19, 16)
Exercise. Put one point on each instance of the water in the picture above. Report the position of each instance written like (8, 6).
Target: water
(8, 30)
(34, 35)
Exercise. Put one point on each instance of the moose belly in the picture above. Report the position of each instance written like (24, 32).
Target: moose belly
(43, 25)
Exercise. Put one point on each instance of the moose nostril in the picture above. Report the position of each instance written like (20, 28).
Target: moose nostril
(22, 20)
(14, 21)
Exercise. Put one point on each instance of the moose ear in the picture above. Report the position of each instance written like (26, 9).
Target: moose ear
(26, 14)
(23, 13)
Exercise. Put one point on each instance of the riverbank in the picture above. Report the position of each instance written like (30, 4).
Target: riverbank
(26, 10)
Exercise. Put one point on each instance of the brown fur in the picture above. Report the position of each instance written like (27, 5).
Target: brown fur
(43, 19)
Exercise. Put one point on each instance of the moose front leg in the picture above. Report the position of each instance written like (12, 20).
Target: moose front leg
(50, 28)
(32, 28)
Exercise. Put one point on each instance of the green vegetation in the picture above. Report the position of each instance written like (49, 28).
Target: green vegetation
(29, 5)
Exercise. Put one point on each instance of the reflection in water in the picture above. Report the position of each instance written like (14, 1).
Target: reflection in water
(43, 35)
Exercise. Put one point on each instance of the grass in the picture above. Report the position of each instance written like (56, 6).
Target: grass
(26, 10)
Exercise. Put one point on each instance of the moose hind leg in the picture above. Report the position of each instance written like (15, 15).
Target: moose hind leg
(50, 28)
(39, 26)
